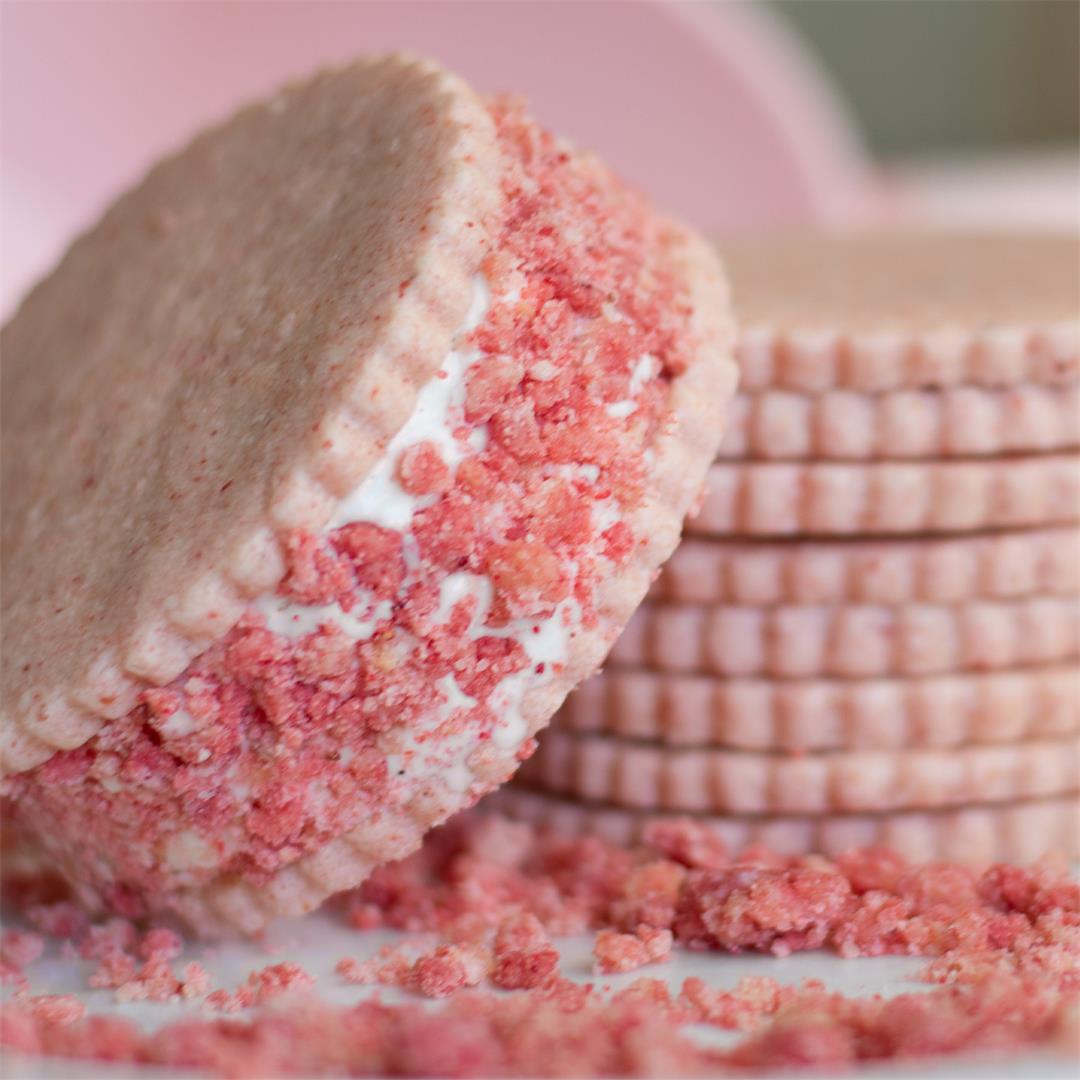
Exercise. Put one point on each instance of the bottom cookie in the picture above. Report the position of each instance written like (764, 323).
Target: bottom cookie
(1013, 832)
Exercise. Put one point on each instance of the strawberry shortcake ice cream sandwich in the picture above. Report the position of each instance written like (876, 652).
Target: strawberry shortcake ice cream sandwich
(334, 455)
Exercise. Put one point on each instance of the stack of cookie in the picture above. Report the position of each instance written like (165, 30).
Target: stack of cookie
(870, 632)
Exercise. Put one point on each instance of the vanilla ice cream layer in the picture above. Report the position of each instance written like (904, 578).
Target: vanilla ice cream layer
(417, 752)
(381, 500)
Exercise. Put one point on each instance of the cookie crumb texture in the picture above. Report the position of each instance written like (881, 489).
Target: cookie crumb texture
(385, 680)
(999, 947)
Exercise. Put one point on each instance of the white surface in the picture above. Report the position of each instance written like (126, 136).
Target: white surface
(320, 941)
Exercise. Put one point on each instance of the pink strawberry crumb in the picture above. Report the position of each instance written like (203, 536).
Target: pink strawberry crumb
(750, 907)
(1002, 949)
(59, 1009)
(524, 955)
(355, 972)
(18, 948)
(262, 986)
(638, 1033)
(688, 842)
(161, 944)
(615, 952)
(195, 981)
(754, 998)
(447, 969)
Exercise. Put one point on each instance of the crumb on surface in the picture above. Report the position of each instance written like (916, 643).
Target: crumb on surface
(615, 952)
(484, 896)
(524, 955)
(262, 986)
(539, 1032)
(18, 949)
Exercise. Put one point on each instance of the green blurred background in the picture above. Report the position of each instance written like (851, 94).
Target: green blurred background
(924, 76)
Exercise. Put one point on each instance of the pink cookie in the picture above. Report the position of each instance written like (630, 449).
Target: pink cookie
(1015, 832)
(957, 421)
(888, 311)
(828, 714)
(870, 498)
(904, 570)
(624, 772)
(851, 640)
(334, 455)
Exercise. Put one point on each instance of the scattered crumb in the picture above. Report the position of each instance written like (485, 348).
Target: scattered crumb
(1001, 949)
(54, 1009)
(18, 948)
(524, 954)
(262, 986)
(616, 953)
(540, 1033)
(449, 968)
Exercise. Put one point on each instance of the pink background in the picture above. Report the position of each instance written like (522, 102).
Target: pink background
(713, 109)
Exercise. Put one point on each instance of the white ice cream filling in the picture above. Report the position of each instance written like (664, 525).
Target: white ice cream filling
(415, 754)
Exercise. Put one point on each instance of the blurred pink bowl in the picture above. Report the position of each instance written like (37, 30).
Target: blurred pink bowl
(713, 109)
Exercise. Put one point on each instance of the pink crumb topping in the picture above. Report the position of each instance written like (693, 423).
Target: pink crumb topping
(53, 1009)
(524, 954)
(751, 907)
(615, 952)
(262, 986)
(480, 870)
(822, 1029)
(18, 948)
(689, 843)
(436, 972)
(754, 997)
(449, 968)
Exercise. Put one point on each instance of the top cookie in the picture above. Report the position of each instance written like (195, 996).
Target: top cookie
(882, 311)
(339, 452)
(226, 352)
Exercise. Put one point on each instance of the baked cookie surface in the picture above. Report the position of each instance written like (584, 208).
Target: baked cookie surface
(876, 312)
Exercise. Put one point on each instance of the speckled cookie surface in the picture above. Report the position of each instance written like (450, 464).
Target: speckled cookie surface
(878, 312)
(424, 442)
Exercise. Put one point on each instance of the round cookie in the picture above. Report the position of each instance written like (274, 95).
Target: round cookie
(1007, 832)
(881, 312)
(943, 570)
(956, 421)
(620, 772)
(850, 641)
(773, 499)
(798, 715)
(370, 415)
